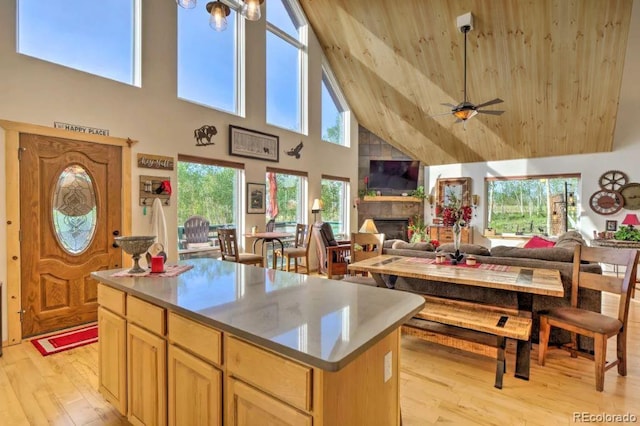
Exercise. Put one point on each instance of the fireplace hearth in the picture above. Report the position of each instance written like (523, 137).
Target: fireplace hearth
(393, 228)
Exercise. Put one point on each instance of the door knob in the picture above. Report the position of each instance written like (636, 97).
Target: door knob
(116, 233)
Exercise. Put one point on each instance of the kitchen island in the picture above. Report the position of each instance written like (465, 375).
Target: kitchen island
(225, 343)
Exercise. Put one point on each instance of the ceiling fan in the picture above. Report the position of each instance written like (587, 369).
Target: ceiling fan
(465, 109)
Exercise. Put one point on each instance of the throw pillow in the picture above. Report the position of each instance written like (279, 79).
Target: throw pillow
(538, 242)
(569, 240)
(465, 248)
(389, 243)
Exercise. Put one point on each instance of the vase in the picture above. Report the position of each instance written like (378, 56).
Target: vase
(457, 234)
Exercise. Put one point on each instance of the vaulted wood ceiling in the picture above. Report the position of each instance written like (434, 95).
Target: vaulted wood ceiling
(557, 64)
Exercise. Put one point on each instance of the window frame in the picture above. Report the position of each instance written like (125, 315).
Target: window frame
(345, 215)
(302, 44)
(329, 80)
(302, 195)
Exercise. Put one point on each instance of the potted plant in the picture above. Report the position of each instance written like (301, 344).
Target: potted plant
(417, 230)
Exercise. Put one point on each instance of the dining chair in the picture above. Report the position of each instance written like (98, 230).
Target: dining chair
(300, 249)
(587, 323)
(364, 246)
(229, 249)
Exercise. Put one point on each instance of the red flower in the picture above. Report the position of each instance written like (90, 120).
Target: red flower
(461, 215)
(435, 243)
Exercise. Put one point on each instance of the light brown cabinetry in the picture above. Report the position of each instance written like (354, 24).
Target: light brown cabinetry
(112, 357)
(247, 406)
(195, 390)
(444, 234)
(146, 374)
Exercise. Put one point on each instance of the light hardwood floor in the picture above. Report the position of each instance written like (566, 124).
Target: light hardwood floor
(438, 386)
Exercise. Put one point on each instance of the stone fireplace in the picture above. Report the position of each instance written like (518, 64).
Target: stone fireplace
(392, 228)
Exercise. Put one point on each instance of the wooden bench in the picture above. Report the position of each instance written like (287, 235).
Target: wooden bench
(477, 328)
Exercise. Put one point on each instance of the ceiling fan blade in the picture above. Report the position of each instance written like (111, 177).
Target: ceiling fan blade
(485, 111)
(440, 114)
(491, 102)
(449, 105)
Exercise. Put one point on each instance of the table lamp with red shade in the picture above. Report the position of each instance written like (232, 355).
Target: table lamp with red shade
(630, 220)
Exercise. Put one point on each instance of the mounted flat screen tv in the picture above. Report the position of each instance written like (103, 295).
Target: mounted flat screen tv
(393, 174)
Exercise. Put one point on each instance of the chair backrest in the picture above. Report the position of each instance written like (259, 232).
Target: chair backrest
(228, 244)
(271, 225)
(196, 230)
(365, 245)
(301, 235)
(622, 286)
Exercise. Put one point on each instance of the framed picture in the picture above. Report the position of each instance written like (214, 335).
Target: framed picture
(456, 190)
(256, 198)
(612, 225)
(253, 144)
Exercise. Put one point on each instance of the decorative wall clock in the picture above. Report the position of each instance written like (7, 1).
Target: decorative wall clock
(606, 202)
(631, 194)
(613, 180)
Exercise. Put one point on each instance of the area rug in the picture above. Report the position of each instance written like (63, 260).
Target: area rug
(65, 340)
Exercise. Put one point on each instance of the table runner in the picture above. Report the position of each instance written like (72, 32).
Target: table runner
(485, 266)
(169, 271)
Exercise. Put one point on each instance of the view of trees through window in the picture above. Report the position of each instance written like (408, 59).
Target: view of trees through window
(207, 190)
(286, 208)
(334, 205)
(532, 205)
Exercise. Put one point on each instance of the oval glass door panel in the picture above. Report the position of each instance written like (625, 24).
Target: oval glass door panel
(74, 209)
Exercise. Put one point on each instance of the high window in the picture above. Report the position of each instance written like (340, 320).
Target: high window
(335, 113)
(210, 63)
(211, 189)
(101, 38)
(286, 198)
(532, 205)
(286, 65)
(335, 199)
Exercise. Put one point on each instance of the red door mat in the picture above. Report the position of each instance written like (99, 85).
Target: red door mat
(66, 340)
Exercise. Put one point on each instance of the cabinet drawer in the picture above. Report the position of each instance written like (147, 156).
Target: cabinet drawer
(285, 379)
(146, 315)
(112, 299)
(197, 338)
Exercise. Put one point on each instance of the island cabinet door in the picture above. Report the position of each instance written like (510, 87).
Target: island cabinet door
(112, 358)
(195, 390)
(248, 406)
(147, 371)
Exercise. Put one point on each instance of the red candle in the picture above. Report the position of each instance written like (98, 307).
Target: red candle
(157, 264)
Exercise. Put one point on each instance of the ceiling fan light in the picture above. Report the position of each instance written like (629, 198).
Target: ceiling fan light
(465, 114)
(186, 4)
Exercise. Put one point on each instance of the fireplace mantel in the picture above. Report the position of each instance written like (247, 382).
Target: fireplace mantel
(386, 198)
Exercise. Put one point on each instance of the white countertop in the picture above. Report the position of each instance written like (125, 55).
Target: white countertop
(323, 323)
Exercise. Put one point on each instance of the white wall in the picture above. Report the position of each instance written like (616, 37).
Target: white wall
(625, 156)
(38, 92)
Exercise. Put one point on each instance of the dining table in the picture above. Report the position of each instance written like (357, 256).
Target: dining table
(268, 237)
(525, 282)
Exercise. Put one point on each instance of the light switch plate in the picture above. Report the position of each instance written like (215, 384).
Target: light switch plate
(388, 370)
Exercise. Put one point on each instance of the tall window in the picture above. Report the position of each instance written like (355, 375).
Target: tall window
(286, 198)
(286, 65)
(210, 63)
(101, 38)
(335, 197)
(532, 205)
(211, 189)
(335, 113)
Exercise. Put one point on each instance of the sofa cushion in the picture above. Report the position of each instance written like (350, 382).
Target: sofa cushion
(569, 240)
(538, 242)
(556, 254)
(465, 248)
(423, 246)
(389, 243)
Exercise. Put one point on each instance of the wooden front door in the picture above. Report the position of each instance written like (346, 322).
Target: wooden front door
(70, 208)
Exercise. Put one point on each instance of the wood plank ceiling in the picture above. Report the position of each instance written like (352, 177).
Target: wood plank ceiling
(557, 64)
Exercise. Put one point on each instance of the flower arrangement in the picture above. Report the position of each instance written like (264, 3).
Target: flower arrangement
(435, 244)
(454, 213)
(417, 229)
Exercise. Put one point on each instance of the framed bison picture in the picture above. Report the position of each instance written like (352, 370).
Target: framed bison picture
(253, 144)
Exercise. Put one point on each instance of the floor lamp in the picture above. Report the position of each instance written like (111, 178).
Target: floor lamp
(316, 208)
